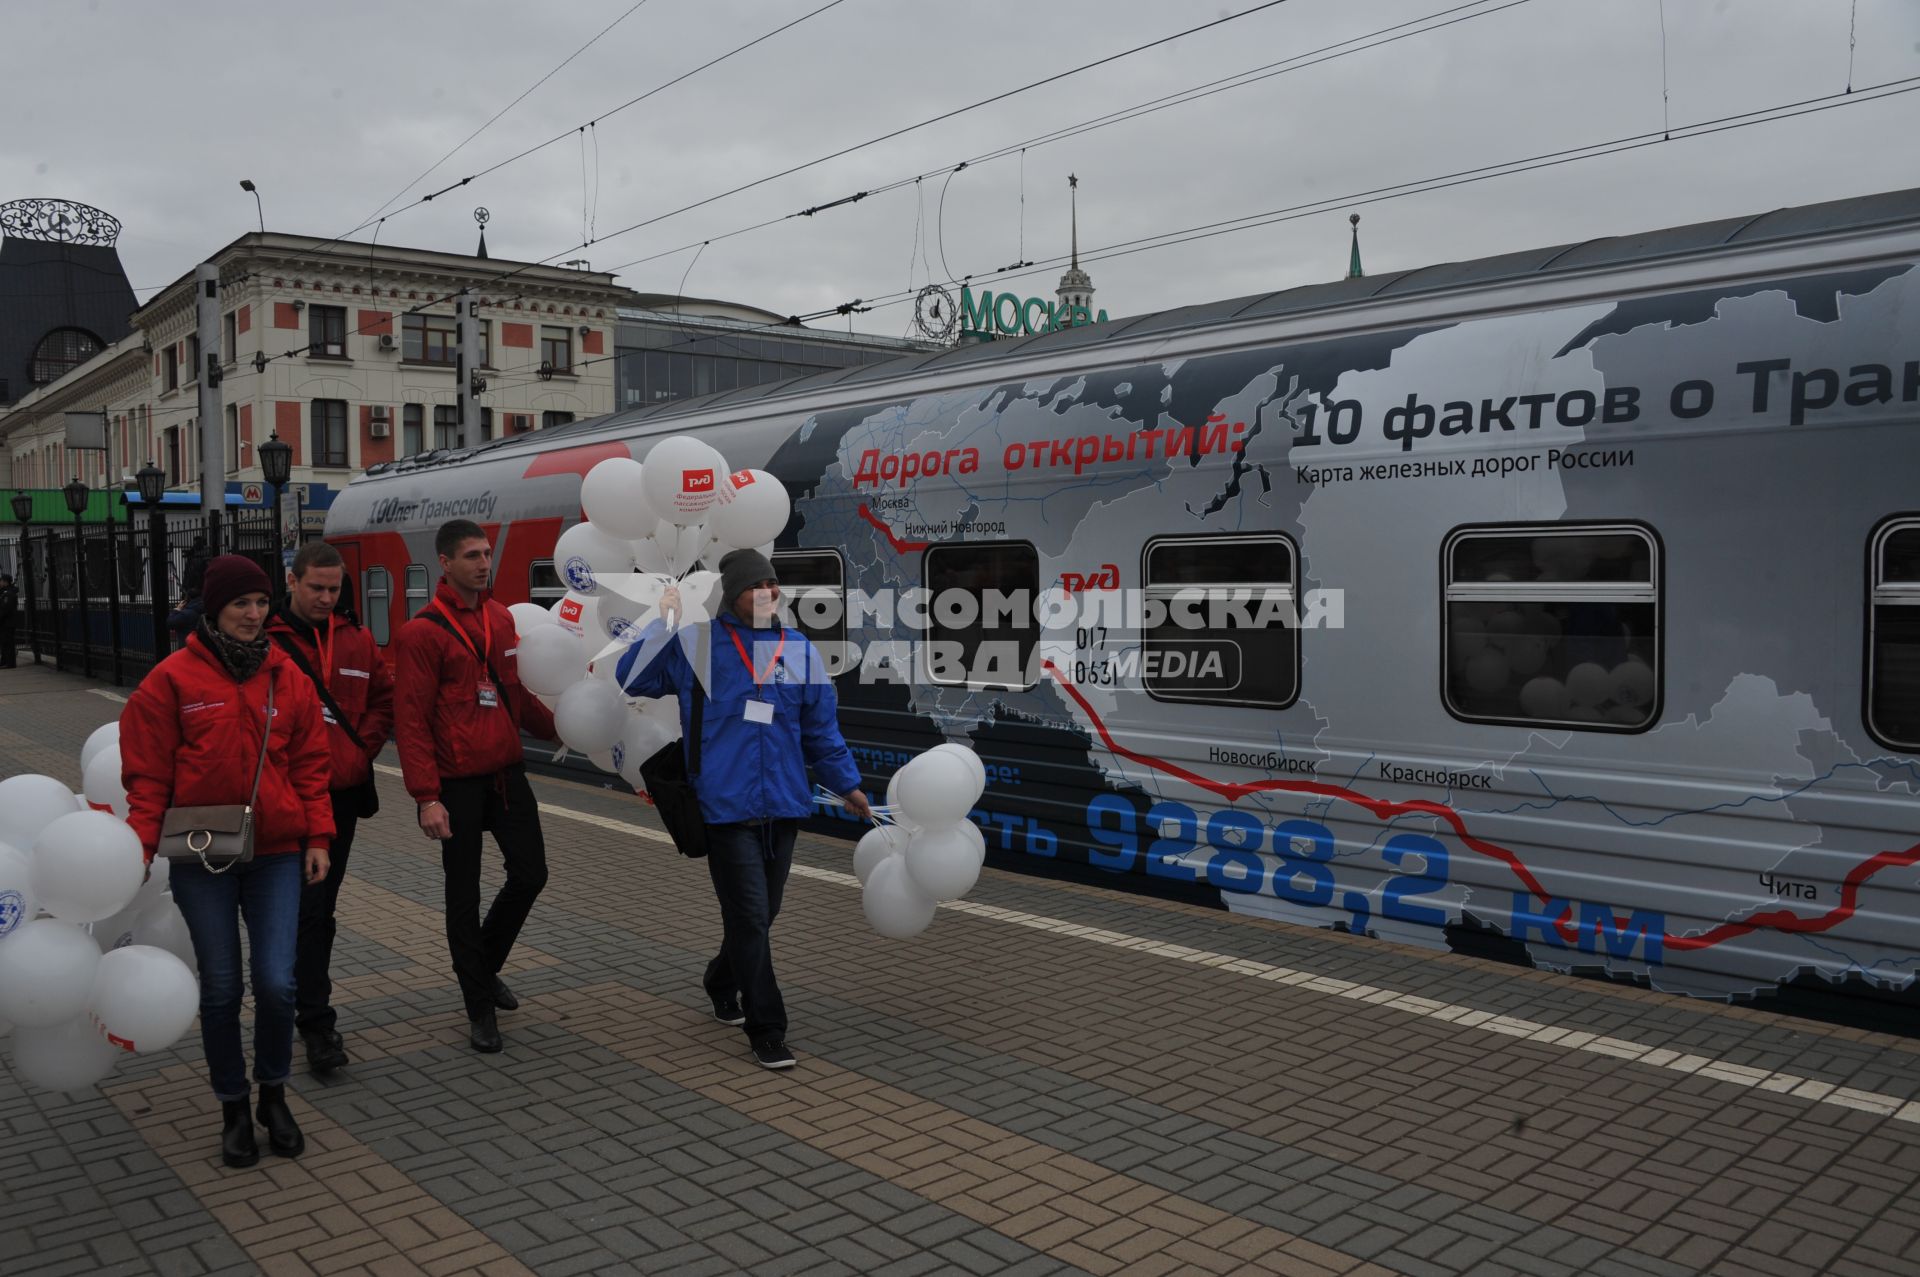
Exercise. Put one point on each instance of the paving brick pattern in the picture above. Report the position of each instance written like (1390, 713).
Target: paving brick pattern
(986, 1098)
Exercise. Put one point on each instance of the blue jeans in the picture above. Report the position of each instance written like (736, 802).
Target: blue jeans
(749, 863)
(266, 891)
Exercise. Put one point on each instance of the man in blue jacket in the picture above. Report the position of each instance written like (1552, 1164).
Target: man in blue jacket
(770, 713)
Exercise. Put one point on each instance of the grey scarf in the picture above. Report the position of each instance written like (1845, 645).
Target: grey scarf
(242, 660)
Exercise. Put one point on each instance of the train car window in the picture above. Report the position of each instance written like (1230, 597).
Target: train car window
(813, 596)
(981, 631)
(1557, 624)
(544, 585)
(1229, 635)
(376, 594)
(418, 591)
(1893, 635)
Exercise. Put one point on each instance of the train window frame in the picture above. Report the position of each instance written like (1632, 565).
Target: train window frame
(379, 617)
(1651, 592)
(544, 595)
(1030, 667)
(1882, 593)
(1166, 592)
(423, 592)
(832, 639)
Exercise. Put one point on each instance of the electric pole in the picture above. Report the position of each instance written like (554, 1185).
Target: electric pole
(466, 331)
(213, 459)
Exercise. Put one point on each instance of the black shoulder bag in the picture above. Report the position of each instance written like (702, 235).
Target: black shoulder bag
(667, 779)
(369, 794)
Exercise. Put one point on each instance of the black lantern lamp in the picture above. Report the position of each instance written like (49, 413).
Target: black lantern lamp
(22, 508)
(152, 482)
(276, 460)
(76, 494)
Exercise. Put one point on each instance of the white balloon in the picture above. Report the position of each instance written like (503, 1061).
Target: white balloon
(102, 785)
(19, 902)
(46, 973)
(753, 507)
(700, 592)
(552, 659)
(966, 755)
(641, 737)
(895, 808)
(650, 555)
(117, 932)
(682, 479)
(29, 804)
(1544, 698)
(936, 788)
(615, 499)
(159, 881)
(603, 759)
(1487, 671)
(162, 925)
(944, 862)
(875, 846)
(1587, 683)
(589, 716)
(571, 613)
(144, 998)
(584, 554)
(66, 1056)
(104, 735)
(1631, 683)
(528, 617)
(87, 866)
(894, 906)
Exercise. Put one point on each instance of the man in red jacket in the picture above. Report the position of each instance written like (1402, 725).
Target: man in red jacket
(356, 701)
(458, 716)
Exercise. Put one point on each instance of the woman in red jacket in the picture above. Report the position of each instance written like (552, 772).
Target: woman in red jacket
(190, 737)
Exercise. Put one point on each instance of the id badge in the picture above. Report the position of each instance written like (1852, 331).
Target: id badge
(489, 695)
(759, 712)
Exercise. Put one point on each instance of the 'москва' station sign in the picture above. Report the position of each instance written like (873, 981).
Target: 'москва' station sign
(993, 315)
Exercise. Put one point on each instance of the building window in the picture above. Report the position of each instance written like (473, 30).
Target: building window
(234, 462)
(60, 352)
(813, 598)
(1893, 635)
(172, 360)
(548, 420)
(376, 594)
(1229, 634)
(429, 339)
(327, 332)
(556, 348)
(412, 430)
(1554, 624)
(544, 585)
(486, 424)
(446, 425)
(417, 590)
(230, 337)
(330, 433)
(193, 359)
(984, 635)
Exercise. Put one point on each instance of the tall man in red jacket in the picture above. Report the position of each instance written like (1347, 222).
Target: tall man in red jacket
(458, 716)
(356, 700)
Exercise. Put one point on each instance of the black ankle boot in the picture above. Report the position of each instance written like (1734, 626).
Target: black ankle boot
(238, 1148)
(283, 1133)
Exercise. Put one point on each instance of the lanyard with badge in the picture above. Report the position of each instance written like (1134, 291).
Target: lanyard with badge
(484, 691)
(757, 710)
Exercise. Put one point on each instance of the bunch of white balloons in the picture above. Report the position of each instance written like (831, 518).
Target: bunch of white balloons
(646, 527)
(95, 959)
(932, 852)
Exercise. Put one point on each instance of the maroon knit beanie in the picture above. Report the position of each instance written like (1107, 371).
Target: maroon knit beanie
(227, 578)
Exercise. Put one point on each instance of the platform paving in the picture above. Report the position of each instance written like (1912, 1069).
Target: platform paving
(1054, 1078)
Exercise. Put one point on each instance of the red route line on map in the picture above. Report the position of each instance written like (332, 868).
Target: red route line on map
(899, 546)
(1382, 809)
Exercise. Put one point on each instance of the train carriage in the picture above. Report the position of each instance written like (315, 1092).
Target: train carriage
(1566, 601)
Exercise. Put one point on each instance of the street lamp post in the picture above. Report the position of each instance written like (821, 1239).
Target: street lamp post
(276, 467)
(152, 482)
(23, 515)
(246, 184)
(76, 494)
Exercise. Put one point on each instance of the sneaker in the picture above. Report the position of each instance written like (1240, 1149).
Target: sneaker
(727, 1011)
(772, 1054)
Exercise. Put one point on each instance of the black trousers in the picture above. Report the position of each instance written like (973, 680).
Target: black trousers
(503, 805)
(8, 656)
(749, 864)
(313, 951)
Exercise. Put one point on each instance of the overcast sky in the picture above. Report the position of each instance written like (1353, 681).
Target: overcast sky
(154, 112)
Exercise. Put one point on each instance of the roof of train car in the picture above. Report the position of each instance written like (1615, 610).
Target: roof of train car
(1858, 213)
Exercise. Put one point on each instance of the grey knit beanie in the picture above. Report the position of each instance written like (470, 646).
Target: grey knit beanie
(740, 571)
